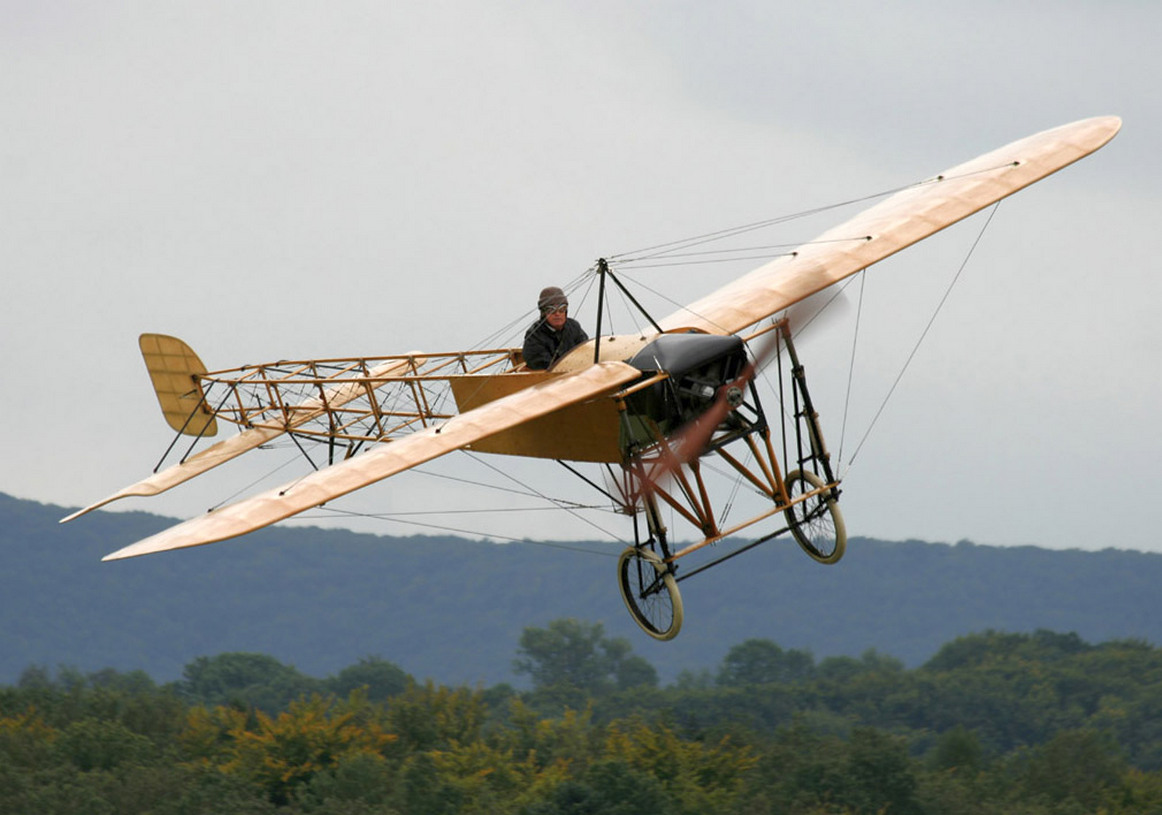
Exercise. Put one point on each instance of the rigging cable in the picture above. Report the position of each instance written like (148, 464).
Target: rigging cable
(851, 365)
(383, 517)
(268, 474)
(560, 503)
(730, 232)
(516, 480)
(924, 333)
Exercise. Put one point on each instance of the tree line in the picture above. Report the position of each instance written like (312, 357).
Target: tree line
(993, 723)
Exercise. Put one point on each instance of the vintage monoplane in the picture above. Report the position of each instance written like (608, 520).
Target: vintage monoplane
(650, 408)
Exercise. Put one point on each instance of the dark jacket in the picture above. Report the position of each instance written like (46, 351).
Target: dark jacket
(544, 346)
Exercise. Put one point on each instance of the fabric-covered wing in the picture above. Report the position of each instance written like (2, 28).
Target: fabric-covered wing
(893, 224)
(387, 459)
(247, 440)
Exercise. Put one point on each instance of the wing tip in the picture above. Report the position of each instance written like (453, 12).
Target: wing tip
(132, 550)
(164, 541)
(142, 489)
(89, 508)
(1110, 126)
(187, 534)
(73, 516)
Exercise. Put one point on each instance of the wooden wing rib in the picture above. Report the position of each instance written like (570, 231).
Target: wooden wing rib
(387, 459)
(247, 440)
(895, 223)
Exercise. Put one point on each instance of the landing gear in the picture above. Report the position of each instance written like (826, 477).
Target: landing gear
(650, 592)
(647, 581)
(816, 523)
(706, 407)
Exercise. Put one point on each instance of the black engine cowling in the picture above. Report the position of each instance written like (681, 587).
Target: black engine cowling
(697, 364)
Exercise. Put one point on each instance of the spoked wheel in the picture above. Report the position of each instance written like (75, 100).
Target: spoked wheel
(650, 593)
(816, 523)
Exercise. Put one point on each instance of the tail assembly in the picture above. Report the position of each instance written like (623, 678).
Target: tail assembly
(175, 369)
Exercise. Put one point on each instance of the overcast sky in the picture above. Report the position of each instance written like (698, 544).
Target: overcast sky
(292, 179)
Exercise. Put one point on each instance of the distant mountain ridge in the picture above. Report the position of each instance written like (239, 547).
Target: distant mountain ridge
(453, 609)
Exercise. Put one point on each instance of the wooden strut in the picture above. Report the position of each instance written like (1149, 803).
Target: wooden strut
(603, 271)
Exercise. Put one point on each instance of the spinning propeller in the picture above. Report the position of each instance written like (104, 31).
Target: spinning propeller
(692, 440)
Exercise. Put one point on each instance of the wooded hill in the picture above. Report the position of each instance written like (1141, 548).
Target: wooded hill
(454, 610)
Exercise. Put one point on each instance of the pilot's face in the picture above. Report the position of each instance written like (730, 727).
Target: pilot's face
(556, 317)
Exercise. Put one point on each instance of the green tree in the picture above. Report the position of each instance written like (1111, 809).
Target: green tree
(434, 717)
(570, 740)
(878, 774)
(1077, 765)
(993, 647)
(358, 782)
(958, 749)
(845, 669)
(284, 753)
(135, 683)
(101, 744)
(702, 776)
(575, 655)
(26, 741)
(423, 790)
(246, 680)
(635, 672)
(35, 677)
(379, 679)
(761, 662)
(607, 788)
(805, 771)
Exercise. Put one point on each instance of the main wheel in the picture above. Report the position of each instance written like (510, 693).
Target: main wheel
(650, 593)
(816, 523)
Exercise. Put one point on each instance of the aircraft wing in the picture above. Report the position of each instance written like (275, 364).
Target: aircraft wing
(895, 223)
(387, 459)
(247, 440)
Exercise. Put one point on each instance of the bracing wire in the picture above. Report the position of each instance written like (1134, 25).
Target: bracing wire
(443, 528)
(509, 490)
(628, 307)
(677, 248)
(676, 253)
(703, 261)
(924, 333)
(540, 494)
(851, 365)
(729, 232)
(259, 480)
(507, 333)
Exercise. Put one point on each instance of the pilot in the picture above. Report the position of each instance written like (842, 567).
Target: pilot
(554, 334)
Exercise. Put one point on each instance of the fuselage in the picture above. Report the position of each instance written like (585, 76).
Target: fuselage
(692, 366)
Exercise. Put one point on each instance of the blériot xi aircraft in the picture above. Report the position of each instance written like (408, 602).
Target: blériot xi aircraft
(652, 409)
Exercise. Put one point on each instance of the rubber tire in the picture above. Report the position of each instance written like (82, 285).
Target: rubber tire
(668, 603)
(837, 543)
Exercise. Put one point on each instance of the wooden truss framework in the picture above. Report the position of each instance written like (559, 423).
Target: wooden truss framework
(346, 402)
